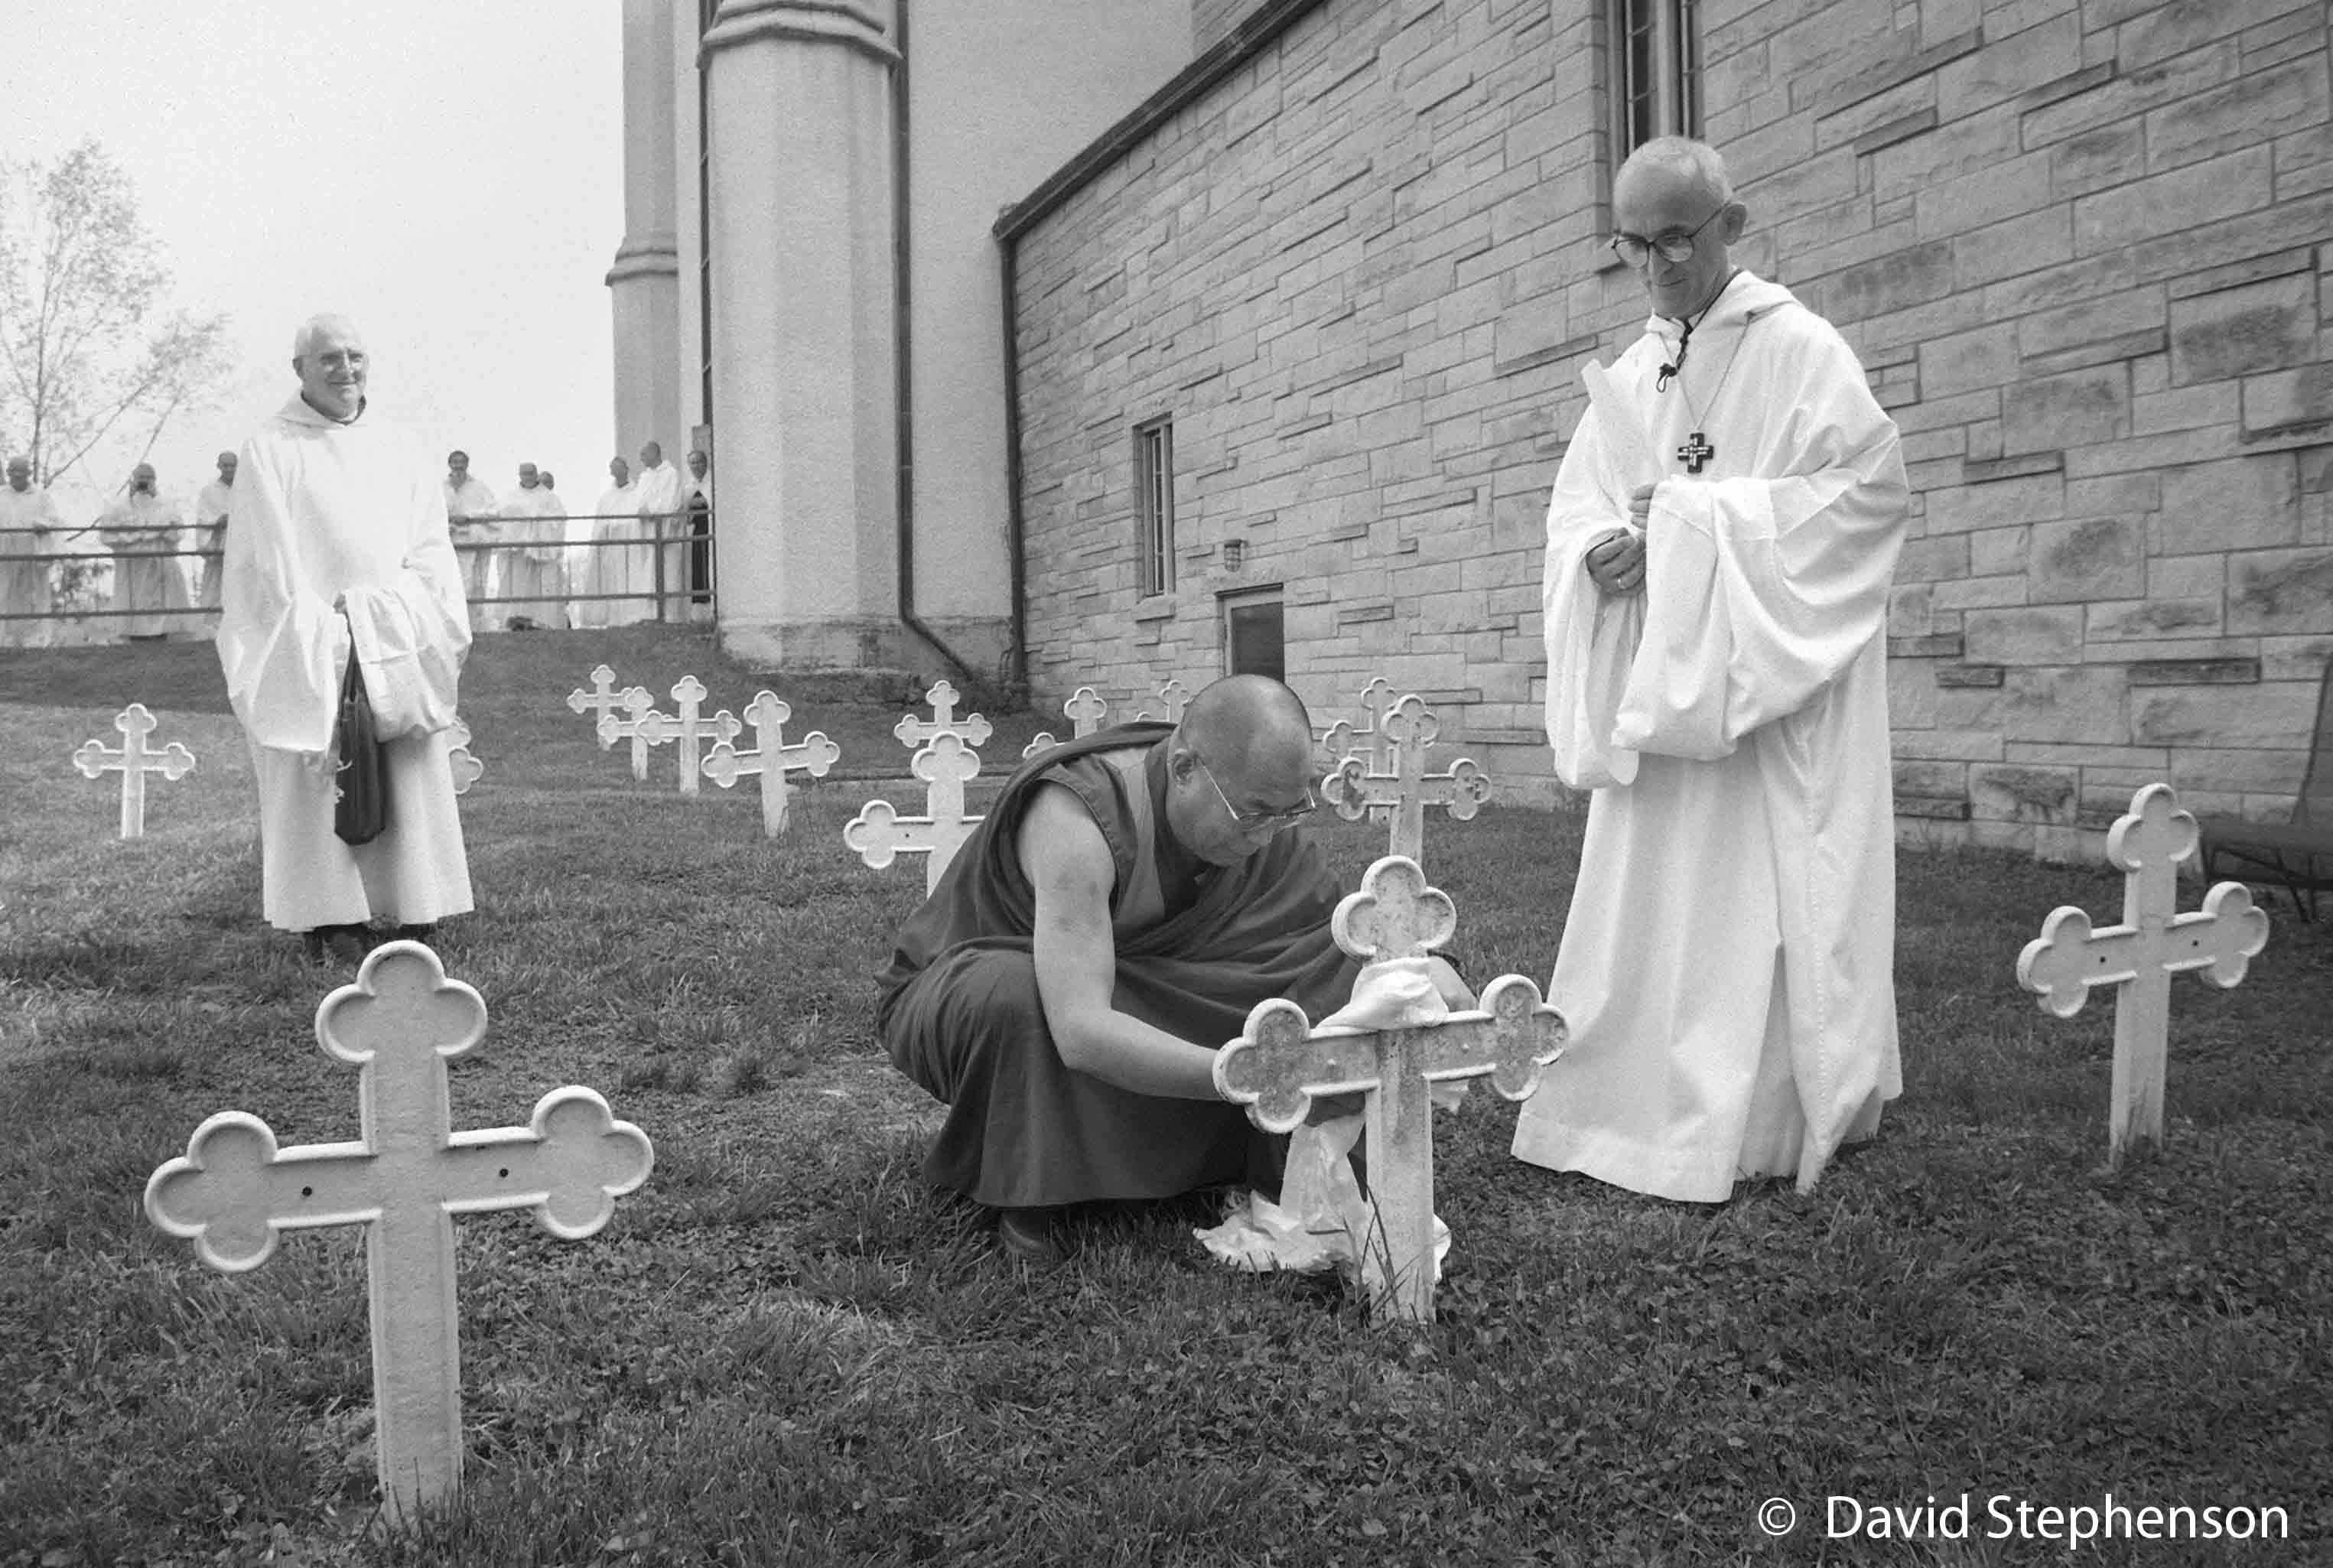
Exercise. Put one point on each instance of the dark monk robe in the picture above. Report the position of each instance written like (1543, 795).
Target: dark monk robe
(1197, 945)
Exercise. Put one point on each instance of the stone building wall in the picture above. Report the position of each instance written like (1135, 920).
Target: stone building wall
(2076, 242)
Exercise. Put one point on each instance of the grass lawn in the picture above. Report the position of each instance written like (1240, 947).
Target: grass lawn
(784, 1349)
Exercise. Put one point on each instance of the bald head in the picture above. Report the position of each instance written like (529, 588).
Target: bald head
(1250, 727)
(20, 473)
(141, 477)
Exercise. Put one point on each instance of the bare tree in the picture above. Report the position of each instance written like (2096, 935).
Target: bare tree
(88, 351)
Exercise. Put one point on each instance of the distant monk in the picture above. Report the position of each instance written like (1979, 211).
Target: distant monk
(140, 527)
(1728, 966)
(337, 549)
(1105, 930)
(534, 529)
(613, 556)
(700, 534)
(31, 525)
(210, 530)
(662, 503)
(470, 512)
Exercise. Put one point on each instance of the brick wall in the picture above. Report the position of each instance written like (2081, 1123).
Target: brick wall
(2076, 244)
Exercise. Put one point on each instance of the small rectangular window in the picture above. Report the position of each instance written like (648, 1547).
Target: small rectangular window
(1154, 506)
(1253, 642)
(1656, 78)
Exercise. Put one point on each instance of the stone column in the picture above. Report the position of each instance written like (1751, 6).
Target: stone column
(688, 365)
(799, 93)
(645, 279)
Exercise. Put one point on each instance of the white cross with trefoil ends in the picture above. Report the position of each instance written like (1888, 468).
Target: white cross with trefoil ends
(1172, 698)
(915, 732)
(637, 728)
(406, 1176)
(1281, 1062)
(1354, 787)
(878, 833)
(466, 768)
(133, 762)
(773, 759)
(2140, 955)
(687, 727)
(1344, 738)
(602, 700)
(1084, 711)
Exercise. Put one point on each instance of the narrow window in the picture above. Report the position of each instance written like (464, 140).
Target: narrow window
(1154, 506)
(1656, 48)
(1254, 642)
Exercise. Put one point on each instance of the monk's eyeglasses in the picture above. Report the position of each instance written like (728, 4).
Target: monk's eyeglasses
(1676, 246)
(1266, 822)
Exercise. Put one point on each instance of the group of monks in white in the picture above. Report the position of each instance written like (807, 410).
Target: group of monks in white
(525, 563)
(1721, 540)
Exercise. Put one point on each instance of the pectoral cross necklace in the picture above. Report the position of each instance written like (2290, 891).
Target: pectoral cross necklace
(1696, 450)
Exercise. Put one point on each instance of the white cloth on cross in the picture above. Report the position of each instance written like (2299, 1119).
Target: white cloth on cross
(1322, 1216)
(323, 509)
(1727, 968)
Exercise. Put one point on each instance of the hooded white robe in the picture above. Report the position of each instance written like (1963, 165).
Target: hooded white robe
(664, 504)
(325, 509)
(615, 562)
(1727, 967)
(29, 524)
(535, 582)
(139, 528)
(212, 505)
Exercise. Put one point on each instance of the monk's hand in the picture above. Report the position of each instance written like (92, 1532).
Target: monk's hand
(1616, 563)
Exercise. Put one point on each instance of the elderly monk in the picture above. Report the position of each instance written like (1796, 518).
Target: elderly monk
(30, 525)
(211, 505)
(534, 526)
(471, 514)
(142, 529)
(337, 549)
(1721, 540)
(1106, 929)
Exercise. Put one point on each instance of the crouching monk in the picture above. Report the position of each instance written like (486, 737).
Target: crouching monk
(1106, 929)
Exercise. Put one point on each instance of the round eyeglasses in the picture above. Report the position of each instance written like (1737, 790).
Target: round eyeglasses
(1256, 821)
(1676, 246)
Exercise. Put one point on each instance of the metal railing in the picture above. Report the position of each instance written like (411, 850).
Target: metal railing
(680, 567)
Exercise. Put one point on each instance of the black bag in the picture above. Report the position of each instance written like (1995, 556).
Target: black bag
(361, 810)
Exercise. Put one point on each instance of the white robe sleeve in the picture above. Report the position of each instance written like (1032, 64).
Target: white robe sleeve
(413, 632)
(1760, 591)
(1592, 637)
(280, 644)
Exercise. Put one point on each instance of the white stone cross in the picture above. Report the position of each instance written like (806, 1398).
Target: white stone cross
(637, 728)
(404, 1179)
(1172, 699)
(773, 759)
(2142, 954)
(689, 729)
(1085, 710)
(915, 732)
(878, 833)
(1353, 787)
(467, 768)
(133, 762)
(1278, 1063)
(1344, 738)
(602, 701)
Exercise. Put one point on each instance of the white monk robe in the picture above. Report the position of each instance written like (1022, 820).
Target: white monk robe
(615, 559)
(323, 509)
(211, 506)
(136, 526)
(471, 514)
(29, 524)
(534, 525)
(662, 516)
(1727, 967)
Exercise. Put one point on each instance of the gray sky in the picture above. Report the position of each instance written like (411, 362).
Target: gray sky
(449, 173)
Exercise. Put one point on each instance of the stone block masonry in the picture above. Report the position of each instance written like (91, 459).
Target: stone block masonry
(2080, 248)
